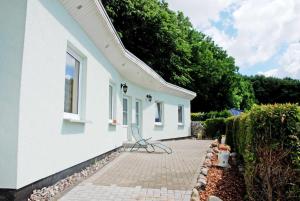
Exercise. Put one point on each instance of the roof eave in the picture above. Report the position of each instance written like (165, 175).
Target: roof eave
(169, 88)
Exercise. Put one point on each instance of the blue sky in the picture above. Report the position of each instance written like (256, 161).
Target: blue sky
(262, 35)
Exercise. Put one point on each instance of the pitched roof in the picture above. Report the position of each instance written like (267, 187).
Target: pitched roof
(92, 17)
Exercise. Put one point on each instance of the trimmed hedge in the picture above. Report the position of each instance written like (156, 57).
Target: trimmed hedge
(198, 116)
(202, 116)
(267, 138)
(230, 125)
(214, 128)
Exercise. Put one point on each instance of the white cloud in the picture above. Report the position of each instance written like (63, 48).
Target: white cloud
(221, 38)
(262, 26)
(289, 63)
(262, 29)
(200, 12)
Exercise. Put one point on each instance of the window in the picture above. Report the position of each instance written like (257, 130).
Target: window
(137, 112)
(72, 84)
(158, 113)
(125, 111)
(180, 114)
(110, 102)
(111, 95)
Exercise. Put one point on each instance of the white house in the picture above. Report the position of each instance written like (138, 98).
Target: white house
(62, 101)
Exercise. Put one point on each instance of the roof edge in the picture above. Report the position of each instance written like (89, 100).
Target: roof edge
(191, 95)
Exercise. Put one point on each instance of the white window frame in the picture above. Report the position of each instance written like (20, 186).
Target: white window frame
(182, 115)
(138, 114)
(73, 116)
(161, 113)
(112, 104)
(127, 112)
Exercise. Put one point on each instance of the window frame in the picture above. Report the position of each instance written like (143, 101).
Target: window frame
(182, 115)
(112, 104)
(127, 111)
(138, 114)
(75, 55)
(160, 123)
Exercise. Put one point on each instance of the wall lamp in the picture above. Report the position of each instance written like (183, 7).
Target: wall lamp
(149, 97)
(124, 87)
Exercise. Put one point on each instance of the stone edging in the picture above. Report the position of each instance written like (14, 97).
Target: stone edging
(202, 178)
(50, 192)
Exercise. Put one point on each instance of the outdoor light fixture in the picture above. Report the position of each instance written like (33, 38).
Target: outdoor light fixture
(149, 97)
(124, 87)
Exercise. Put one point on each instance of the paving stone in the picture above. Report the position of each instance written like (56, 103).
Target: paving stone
(142, 176)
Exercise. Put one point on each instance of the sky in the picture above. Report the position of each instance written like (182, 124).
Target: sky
(262, 35)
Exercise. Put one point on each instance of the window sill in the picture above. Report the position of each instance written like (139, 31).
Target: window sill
(180, 124)
(158, 124)
(77, 120)
(112, 123)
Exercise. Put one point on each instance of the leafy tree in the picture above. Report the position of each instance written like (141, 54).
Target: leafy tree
(169, 44)
(155, 34)
(275, 90)
(243, 93)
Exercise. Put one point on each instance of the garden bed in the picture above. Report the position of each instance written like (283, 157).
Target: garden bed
(225, 183)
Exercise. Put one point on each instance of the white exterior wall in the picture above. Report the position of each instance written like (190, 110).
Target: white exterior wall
(12, 26)
(49, 144)
(170, 127)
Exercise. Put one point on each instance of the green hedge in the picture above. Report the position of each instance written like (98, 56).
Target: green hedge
(267, 138)
(230, 125)
(214, 128)
(198, 116)
(202, 116)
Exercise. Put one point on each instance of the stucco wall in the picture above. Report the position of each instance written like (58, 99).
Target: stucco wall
(170, 127)
(12, 21)
(47, 143)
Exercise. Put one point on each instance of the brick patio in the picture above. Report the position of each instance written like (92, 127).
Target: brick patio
(144, 176)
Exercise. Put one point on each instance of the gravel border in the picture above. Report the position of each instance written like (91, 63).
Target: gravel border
(52, 192)
(202, 177)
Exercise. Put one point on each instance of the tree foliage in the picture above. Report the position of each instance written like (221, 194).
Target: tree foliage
(274, 90)
(169, 44)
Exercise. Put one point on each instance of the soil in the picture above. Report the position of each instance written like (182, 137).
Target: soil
(227, 184)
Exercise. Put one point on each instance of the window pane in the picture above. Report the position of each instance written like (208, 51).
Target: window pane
(180, 114)
(71, 84)
(110, 102)
(137, 113)
(158, 112)
(125, 111)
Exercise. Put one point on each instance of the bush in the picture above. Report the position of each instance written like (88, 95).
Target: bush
(214, 128)
(202, 116)
(198, 116)
(267, 138)
(230, 126)
(216, 114)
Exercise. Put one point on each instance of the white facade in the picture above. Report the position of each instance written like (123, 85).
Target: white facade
(36, 140)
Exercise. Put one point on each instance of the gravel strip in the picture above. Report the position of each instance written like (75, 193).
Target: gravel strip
(49, 193)
(224, 183)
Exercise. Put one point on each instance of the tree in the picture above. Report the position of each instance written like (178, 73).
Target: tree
(169, 44)
(243, 93)
(275, 90)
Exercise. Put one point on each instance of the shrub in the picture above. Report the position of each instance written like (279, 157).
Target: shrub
(267, 138)
(202, 116)
(214, 128)
(198, 116)
(230, 126)
(216, 114)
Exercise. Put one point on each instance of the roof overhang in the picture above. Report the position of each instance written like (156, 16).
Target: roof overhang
(92, 17)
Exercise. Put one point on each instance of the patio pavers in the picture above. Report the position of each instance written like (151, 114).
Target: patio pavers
(144, 176)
